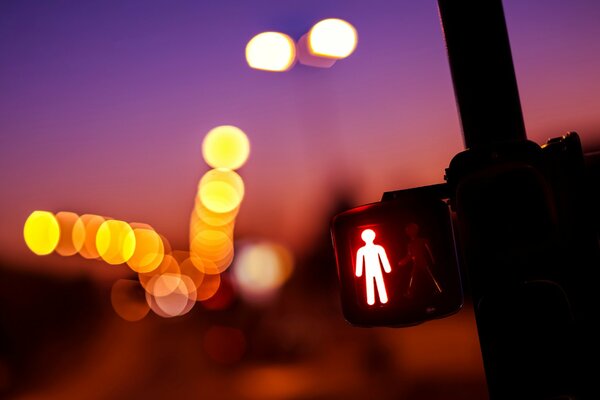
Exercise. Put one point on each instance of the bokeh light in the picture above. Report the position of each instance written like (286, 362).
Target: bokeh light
(333, 38)
(210, 285)
(171, 288)
(91, 224)
(261, 269)
(188, 268)
(226, 147)
(163, 284)
(221, 190)
(41, 232)
(171, 295)
(271, 51)
(224, 345)
(180, 301)
(72, 233)
(170, 281)
(149, 250)
(128, 300)
(213, 220)
(168, 265)
(212, 243)
(202, 214)
(115, 241)
(211, 250)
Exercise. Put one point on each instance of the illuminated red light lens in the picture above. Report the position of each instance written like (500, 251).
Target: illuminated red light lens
(372, 259)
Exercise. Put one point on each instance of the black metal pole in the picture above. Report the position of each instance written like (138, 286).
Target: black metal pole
(521, 219)
(482, 71)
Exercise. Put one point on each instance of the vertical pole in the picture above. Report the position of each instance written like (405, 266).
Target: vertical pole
(482, 71)
(521, 273)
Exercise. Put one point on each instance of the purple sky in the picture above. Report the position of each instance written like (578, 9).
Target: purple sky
(103, 105)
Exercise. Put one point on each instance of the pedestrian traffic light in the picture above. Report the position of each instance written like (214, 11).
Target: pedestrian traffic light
(526, 217)
(396, 259)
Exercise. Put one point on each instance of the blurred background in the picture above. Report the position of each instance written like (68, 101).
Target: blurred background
(103, 108)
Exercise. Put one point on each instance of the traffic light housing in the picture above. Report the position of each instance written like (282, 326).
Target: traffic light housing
(396, 259)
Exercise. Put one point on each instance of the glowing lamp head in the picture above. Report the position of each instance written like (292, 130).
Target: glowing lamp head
(332, 38)
(271, 51)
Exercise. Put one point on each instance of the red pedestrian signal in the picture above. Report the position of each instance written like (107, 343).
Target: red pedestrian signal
(372, 258)
(396, 260)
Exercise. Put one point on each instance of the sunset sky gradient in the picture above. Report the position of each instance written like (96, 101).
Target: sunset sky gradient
(104, 105)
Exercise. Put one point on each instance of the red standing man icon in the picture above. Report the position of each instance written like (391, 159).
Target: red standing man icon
(372, 257)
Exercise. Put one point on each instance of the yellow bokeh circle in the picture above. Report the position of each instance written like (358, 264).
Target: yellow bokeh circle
(41, 232)
(226, 147)
(115, 241)
(149, 250)
(221, 190)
